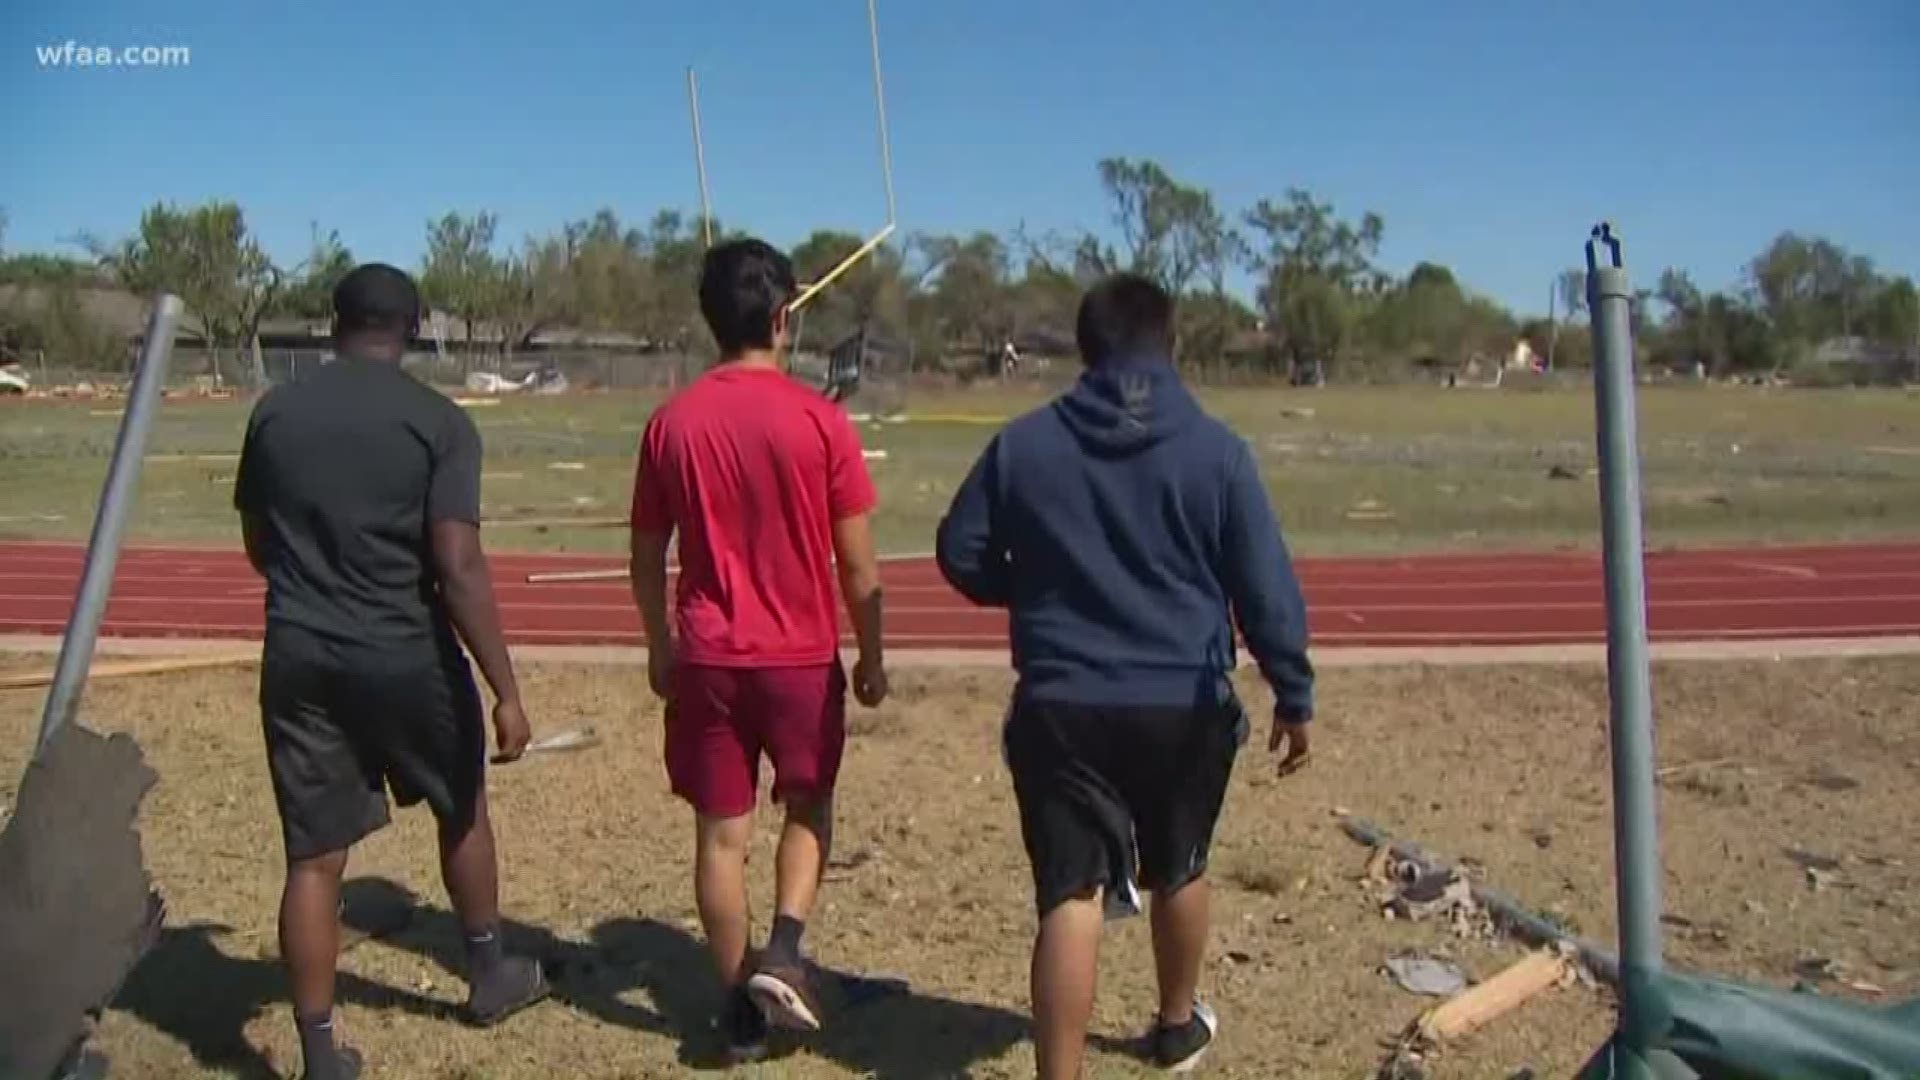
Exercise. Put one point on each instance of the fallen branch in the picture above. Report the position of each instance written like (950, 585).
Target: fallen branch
(1519, 920)
(114, 670)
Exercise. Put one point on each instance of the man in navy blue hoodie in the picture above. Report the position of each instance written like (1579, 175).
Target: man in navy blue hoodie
(1127, 532)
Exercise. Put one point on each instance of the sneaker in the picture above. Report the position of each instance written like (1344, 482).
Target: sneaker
(743, 1027)
(517, 983)
(347, 1064)
(784, 992)
(1179, 1049)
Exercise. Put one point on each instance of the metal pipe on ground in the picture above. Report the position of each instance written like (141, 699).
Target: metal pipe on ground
(110, 522)
(1516, 917)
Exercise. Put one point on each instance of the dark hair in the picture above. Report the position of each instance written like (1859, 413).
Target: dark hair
(376, 297)
(743, 285)
(1124, 317)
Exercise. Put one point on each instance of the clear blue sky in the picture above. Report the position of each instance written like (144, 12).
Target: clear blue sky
(1489, 134)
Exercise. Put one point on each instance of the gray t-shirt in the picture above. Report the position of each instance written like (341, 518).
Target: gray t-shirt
(345, 470)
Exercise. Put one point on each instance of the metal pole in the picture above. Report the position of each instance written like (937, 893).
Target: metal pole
(116, 499)
(1636, 831)
(700, 158)
(880, 110)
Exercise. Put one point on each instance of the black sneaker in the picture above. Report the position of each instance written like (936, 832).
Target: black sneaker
(744, 1028)
(517, 983)
(347, 1065)
(1179, 1049)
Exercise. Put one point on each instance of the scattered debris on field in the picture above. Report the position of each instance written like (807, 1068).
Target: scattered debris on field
(1427, 975)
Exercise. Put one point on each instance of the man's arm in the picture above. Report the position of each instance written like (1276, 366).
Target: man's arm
(851, 500)
(971, 554)
(466, 583)
(246, 497)
(253, 535)
(859, 567)
(647, 569)
(1265, 594)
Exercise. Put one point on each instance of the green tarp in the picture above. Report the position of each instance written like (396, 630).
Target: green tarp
(1726, 1031)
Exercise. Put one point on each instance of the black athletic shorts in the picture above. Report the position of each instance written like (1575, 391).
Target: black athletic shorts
(341, 730)
(1114, 796)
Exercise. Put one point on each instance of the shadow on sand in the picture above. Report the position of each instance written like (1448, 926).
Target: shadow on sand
(192, 990)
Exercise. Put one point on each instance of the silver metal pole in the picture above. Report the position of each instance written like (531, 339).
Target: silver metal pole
(1636, 830)
(700, 158)
(109, 523)
(880, 109)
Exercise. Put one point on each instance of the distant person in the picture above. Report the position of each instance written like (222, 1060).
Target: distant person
(1127, 532)
(359, 497)
(764, 481)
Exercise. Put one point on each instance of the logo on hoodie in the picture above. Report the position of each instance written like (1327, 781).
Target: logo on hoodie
(1136, 398)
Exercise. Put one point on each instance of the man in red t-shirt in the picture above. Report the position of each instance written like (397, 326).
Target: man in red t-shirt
(764, 482)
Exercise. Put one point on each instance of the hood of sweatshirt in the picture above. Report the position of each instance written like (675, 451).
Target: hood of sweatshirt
(1120, 409)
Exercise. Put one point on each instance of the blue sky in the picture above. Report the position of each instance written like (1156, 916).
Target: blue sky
(1489, 134)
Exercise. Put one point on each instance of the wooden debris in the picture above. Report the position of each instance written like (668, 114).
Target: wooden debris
(1487, 1002)
(543, 577)
(118, 669)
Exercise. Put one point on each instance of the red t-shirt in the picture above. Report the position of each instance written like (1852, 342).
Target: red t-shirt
(752, 469)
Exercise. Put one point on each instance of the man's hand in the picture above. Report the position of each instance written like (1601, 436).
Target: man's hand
(511, 732)
(1292, 743)
(661, 662)
(870, 681)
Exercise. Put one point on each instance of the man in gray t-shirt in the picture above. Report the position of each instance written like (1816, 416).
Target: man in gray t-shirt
(359, 496)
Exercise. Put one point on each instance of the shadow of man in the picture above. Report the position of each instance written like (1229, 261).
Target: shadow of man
(879, 1026)
(191, 988)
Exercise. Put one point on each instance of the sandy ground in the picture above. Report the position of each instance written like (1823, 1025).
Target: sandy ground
(1505, 766)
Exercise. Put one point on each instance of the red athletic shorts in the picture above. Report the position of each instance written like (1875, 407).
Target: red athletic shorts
(723, 719)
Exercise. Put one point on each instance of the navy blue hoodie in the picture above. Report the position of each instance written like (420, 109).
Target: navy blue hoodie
(1127, 532)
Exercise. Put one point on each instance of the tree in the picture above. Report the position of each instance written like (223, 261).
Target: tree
(873, 291)
(459, 273)
(1316, 272)
(309, 293)
(1893, 318)
(971, 296)
(208, 258)
(1173, 232)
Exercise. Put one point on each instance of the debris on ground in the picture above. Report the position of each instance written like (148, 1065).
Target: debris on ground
(1561, 472)
(1473, 1009)
(1369, 510)
(77, 907)
(1426, 975)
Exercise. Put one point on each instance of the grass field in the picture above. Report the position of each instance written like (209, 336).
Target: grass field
(1350, 470)
(1502, 766)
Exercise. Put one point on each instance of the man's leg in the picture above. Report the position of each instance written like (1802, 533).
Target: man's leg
(434, 743)
(498, 985)
(1176, 810)
(1066, 959)
(328, 799)
(1180, 918)
(800, 714)
(720, 891)
(310, 944)
(805, 841)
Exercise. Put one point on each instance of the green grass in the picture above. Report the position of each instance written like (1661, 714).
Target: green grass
(1374, 470)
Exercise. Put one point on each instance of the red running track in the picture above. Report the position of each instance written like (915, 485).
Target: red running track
(1522, 599)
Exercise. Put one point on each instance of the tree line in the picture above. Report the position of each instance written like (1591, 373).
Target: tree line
(1321, 303)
